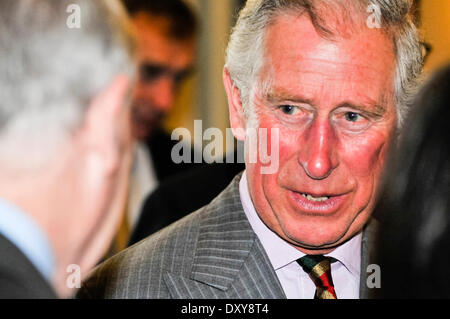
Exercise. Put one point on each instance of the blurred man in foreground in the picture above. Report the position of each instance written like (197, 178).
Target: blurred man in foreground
(64, 140)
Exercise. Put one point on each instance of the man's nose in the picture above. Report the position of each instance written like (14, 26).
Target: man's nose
(318, 154)
(164, 94)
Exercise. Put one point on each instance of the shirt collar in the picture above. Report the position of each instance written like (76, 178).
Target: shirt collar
(281, 253)
(28, 237)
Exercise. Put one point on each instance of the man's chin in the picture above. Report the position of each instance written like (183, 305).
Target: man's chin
(316, 244)
(316, 249)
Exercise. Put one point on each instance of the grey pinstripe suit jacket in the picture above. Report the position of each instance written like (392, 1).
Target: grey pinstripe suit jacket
(212, 253)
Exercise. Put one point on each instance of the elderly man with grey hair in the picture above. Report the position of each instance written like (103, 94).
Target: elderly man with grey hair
(65, 140)
(325, 85)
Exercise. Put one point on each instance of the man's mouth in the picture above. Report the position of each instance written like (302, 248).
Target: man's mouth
(315, 199)
(319, 203)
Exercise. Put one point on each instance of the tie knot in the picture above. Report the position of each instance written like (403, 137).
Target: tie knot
(318, 267)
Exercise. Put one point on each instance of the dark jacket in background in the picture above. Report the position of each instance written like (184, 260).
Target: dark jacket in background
(182, 194)
(160, 147)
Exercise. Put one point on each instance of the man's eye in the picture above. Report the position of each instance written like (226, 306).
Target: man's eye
(151, 72)
(352, 117)
(352, 121)
(289, 109)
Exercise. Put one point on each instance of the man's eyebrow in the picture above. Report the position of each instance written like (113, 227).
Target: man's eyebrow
(373, 108)
(284, 96)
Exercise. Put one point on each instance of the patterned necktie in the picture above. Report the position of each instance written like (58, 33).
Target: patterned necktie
(319, 270)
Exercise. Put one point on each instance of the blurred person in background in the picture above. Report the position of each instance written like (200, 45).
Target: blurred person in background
(414, 250)
(165, 52)
(65, 139)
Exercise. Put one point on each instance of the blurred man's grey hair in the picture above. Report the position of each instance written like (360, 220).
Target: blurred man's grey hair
(49, 72)
(246, 46)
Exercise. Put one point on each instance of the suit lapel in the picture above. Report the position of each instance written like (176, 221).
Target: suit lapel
(229, 260)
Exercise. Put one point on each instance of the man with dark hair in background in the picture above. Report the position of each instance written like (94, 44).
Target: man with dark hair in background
(166, 36)
(165, 33)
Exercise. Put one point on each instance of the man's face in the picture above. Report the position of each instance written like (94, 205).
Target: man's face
(332, 102)
(163, 63)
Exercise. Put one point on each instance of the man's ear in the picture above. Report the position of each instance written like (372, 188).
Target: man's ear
(107, 125)
(237, 117)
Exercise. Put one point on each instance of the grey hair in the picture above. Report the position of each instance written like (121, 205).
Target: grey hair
(49, 72)
(245, 52)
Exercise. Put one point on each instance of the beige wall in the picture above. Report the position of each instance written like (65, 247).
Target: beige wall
(203, 96)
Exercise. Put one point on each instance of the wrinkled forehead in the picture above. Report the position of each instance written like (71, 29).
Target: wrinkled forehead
(297, 54)
(331, 19)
